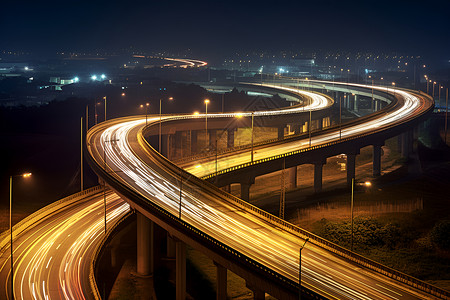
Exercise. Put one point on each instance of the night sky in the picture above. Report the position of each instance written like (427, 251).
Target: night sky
(224, 26)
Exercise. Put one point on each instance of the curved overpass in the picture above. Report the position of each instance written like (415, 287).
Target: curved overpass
(213, 218)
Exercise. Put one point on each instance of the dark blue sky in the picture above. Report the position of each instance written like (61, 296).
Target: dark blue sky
(416, 27)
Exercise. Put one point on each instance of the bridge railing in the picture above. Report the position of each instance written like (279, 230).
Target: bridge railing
(44, 213)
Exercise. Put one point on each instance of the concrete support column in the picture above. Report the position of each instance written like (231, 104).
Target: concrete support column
(297, 128)
(165, 145)
(356, 103)
(351, 165)
(178, 137)
(293, 177)
(194, 144)
(258, 294)
(245, 191)
(212, 138)
(221, 282)
(281, 132)
(399, 143)
(144, 245)
(230, 138)
(376, 164)
(170, 246)
(406, 144)
(180, 277)
(318, 176)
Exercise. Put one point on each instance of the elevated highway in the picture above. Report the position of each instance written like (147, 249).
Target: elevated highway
(261, 248)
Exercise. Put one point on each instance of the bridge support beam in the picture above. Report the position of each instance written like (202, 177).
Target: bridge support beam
(180, 277)
(245, 187)
(165, 145)
(230, 138)
(221, 282)
(194, 143)
(293, 177)
(356, 103)
(281, 132)
(351, 167)
(258, 294)
(376, 159)
(144, 245)
(407, 143)
(170, 246)
(178, 143)
(318, 166)
(212, 139)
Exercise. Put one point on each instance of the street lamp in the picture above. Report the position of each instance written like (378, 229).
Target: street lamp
(351, 207)
(206, 120)
(160, 116)
(252, 137)
(24, 175)
(434, 83)
(300, 270)
(393, 84)
(104, 98)
(146, 110)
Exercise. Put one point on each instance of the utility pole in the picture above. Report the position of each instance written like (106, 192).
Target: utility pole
(283, 190)
(81, 153)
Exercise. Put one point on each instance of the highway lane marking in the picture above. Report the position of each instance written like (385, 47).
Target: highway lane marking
(390, 290)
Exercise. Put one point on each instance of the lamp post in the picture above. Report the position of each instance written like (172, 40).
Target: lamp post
(206, 120)
(434, 83)
(340, 117)
(146, 110)
(105, 106)
(104, 182)
(252, 138)
(351, 207)
(24, 175)
(393, 84)
(160, 116)
(446, 115)
(81, 152)
(300, 270)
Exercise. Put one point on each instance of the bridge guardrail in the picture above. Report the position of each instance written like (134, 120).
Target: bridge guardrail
(321, 242)
(36, 217)
(96, 254)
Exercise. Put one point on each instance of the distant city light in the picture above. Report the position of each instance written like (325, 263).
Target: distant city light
(94, 77)
(26, 68)
(76, 79)
(103, 76)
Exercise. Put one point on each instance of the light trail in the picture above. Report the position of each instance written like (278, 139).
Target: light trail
(239, 229)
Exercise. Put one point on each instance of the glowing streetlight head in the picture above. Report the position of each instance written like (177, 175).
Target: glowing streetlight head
(393, 83)
(123, 94)
(368, 183)
(147, 104)
(141, 106)
(239, 115)
(206, 101)
(170, 98)
(94, 77)
(25, 175)
(76, 79)
(195, 113)
(103, 76)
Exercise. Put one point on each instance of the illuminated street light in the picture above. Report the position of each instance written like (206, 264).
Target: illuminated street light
(146, 110)
(160, 105)
(206, 120)
(94, 77)
(76, 79)
(300, 270)
(103, 76)
(104, 98)
(24, 175)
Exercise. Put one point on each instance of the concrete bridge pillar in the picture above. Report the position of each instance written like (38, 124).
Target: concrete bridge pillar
(281, 131)
(293, 177)
(221, 282)
(144, 245)
(356, 103)
(212, 139)
(170, 246)
(245, 188)
(230, 138)
(178, 137)
(351, 167)
(180, 270)
(376, 164)
(165, 145)
(258, 293)
(318, 166)
(407, 142)
(194, 144)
